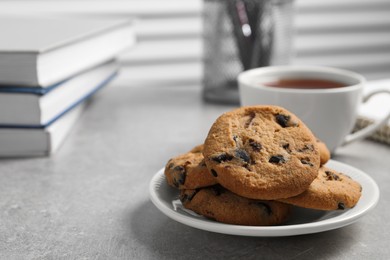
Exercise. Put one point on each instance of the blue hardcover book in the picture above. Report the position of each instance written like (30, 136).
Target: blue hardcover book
(39, 107)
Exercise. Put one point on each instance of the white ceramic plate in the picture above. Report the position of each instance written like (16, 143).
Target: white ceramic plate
(303, 221)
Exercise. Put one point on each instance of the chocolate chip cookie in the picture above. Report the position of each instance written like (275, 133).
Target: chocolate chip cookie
(219, 204)
(329, 191)
(188, 171)
(324, 152)
(262, 152)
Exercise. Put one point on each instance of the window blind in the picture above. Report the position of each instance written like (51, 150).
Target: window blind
(351, 34)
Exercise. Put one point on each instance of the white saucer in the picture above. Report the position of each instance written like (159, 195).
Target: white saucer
(303, 221)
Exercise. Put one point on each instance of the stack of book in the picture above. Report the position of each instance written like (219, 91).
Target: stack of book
(48, 69)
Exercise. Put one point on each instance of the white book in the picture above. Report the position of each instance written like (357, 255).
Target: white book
(22, 142)
(38, 51)
(27, 107)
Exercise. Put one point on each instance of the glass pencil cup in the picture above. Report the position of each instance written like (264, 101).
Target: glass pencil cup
(239, 35)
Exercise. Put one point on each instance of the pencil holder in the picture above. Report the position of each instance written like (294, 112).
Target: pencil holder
(241, 35)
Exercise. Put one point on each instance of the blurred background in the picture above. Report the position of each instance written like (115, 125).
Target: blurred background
(351, 34)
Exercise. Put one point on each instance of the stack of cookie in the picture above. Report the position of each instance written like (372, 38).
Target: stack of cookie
(256, 163)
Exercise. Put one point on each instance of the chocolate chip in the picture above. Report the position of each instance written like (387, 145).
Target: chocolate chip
(179, 168)
(180, 174)
(214, 173)
(175, 183)
(243, 155)
(277, 159)
(307, 147)
(170, 166)
(255, 145)
(222, 158)
(341, 205)
(187, 163)
(285, 121)
(282, 120)
(307, 162)
(330, 176)
(265, 207)
(182, 178)
(286, 147)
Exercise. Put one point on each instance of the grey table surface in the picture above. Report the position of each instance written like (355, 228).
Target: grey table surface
(90, 200)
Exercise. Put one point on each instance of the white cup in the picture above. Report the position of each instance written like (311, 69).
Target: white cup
(330, 113)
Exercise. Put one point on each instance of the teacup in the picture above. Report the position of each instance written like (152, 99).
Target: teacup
(326, 99)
